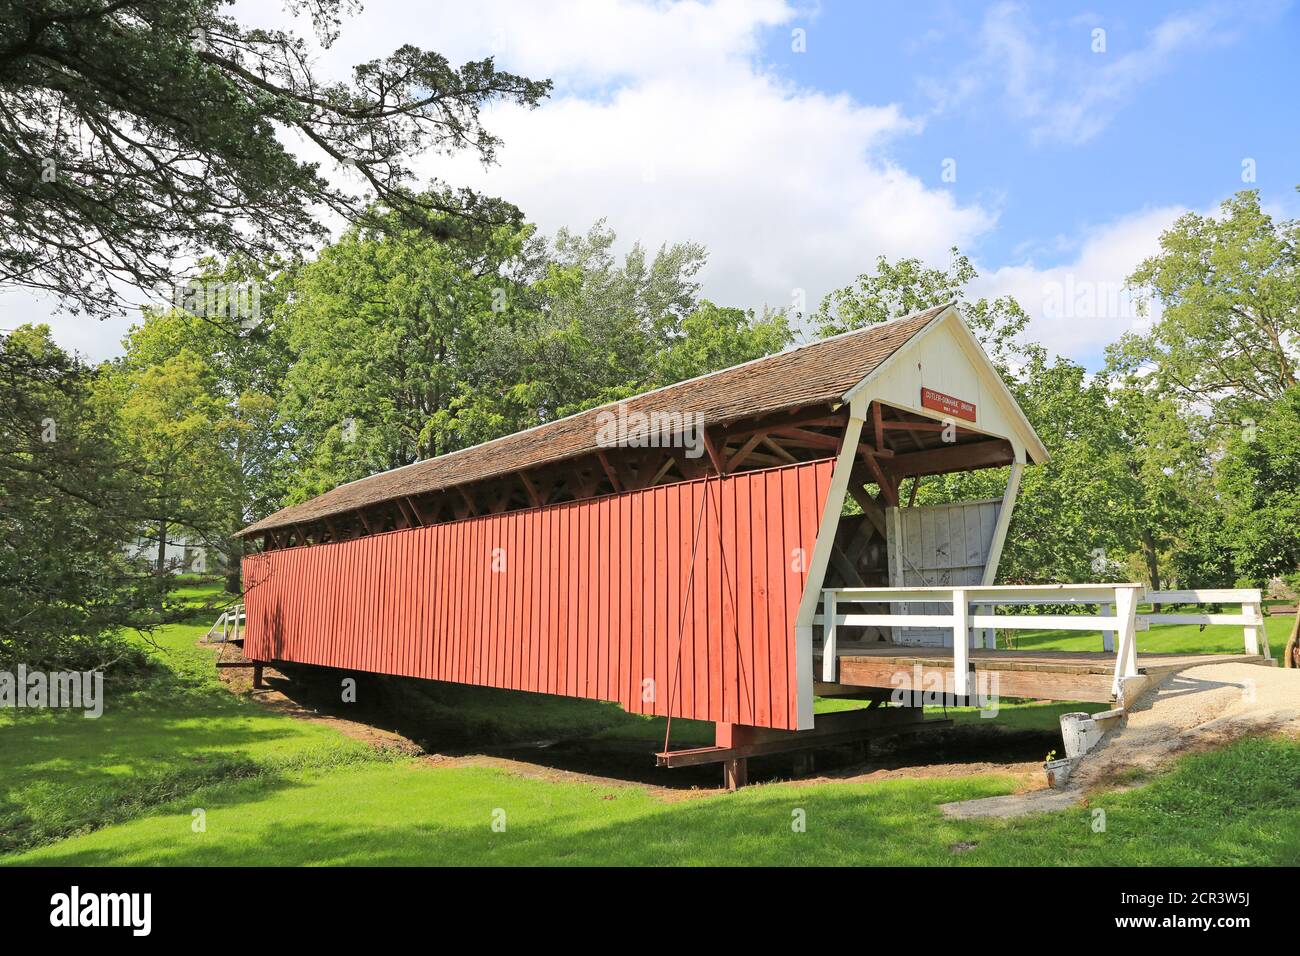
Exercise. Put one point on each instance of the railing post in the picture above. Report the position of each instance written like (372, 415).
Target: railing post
(828, 636)
(1126, 659)
(1107, 637)
(960, 643)
(1251, 632)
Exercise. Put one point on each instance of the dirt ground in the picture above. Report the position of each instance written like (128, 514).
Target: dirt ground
(959, 752)
(1195, 709)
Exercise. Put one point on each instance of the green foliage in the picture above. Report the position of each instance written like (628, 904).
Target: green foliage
(1203, 557)
(406, 347)
(71, 503)
(394, 346)
(243, 360)
(897, 289)
(137, 133)
(1229, 329)
(1260, 481)
(175, 429)
(713, 337)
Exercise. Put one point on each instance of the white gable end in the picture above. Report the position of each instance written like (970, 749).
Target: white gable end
(947, 360)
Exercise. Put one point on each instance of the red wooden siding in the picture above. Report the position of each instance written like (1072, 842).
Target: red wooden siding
(583, 599)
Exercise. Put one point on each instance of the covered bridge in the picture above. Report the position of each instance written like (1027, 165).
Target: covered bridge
(668, 552)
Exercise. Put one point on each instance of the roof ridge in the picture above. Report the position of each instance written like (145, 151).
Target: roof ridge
(442, 472)
(653, 391)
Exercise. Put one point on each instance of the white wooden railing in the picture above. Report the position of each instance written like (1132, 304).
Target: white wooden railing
(229, 623)
(1117, 617)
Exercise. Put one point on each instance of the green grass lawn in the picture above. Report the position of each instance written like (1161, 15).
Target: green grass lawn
(275, 789)
(1165, 638)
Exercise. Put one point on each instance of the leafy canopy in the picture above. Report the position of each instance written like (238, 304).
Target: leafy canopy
(134, 133)
(1228, 336)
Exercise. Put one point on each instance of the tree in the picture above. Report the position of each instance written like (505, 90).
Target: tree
(245, 359)
(167, 417)
(1167, 461)
(713, 337)
(1228, 336)
(600, 322)
(137, 132)
(406, 347)
(69, 507)
(1259, 478)
(897, 289)
(392, 335)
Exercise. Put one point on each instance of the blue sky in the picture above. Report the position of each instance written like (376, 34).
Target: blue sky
(697, 120)
(1170, 129)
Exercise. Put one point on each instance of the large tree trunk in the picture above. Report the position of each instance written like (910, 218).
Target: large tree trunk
(233, 555)
(162, 546)
(1152, 558)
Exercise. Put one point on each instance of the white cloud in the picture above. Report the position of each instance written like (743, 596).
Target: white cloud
(1059, 85)
(688, 137)
(664, 121)
(1079, 307)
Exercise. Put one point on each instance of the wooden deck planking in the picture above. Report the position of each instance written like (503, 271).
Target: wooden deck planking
(1044, 675)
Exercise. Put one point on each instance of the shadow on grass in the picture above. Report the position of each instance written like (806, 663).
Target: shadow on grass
(62, 774)
(600, 738)
(1234, 806)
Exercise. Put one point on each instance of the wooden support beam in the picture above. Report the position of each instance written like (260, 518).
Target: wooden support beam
(739, 457)
(789, 419)
(927, 426)
(811, 439)
(610, 473)
(408, 513)
(662, 470)
(469, 502)
(778, 450)
(842, 564)
(964, 457)
(887, 484)
(871, 509)
(715, 453)
(529, 487)
(877, 422)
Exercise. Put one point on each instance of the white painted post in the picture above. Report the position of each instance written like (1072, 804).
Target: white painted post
(828, 639)
(1107, 637)
(820, 558)
(1252, 631)
(960, 643)
(1126, 611)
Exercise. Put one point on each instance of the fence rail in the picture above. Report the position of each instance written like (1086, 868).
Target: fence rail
(1117, 617)
(230, 624)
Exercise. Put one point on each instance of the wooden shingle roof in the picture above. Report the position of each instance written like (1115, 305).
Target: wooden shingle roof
(821, 372)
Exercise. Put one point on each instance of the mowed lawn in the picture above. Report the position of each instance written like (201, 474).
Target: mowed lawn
(274, 789)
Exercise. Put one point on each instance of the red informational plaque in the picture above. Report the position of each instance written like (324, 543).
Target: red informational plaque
(939, 402)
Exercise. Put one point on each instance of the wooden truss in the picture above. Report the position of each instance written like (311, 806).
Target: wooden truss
(895, 445)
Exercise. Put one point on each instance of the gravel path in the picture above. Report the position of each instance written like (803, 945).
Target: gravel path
(1194, 709)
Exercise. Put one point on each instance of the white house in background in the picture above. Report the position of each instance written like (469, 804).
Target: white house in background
(183, 555)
